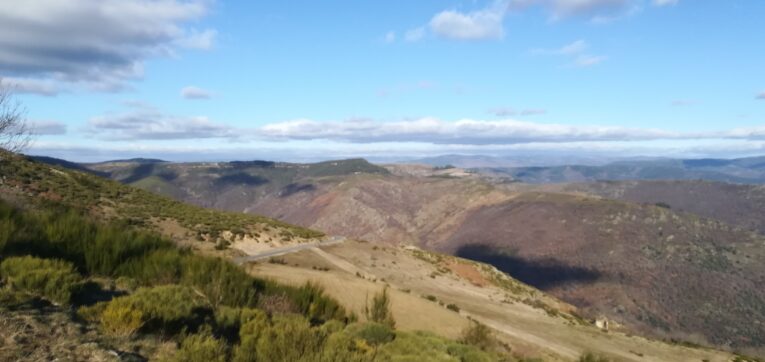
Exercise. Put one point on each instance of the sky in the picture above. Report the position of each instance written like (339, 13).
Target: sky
(208, 80)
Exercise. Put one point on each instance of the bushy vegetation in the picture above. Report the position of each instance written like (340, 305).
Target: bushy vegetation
(379, 310)
(479, 335)
(54, 280)
(212, 309)
(202, 347)
(134, 206)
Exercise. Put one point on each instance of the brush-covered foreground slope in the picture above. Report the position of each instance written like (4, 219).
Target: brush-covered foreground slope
(74, 289)
(659, 270)
(31, 183)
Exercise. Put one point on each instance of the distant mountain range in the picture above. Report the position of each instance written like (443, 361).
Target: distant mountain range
(741, 170)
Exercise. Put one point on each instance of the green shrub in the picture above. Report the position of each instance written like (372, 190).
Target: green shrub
(379, 310)
(374, 334)
(286, 338)
(167, 308)
(201, 347)
(55, 280)
(121, 319)
(343, 347)
(220, 282)
(229, 321)
(478, 335)
(453, 307)
(310, 301)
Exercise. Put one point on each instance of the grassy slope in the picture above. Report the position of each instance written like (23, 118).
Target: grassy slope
(34, 183)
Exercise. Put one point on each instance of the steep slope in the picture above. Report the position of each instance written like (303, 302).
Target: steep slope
(672, 274)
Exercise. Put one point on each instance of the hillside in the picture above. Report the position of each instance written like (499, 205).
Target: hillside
(641, 265)
(735, 204)
(668, 273)
(34, 184)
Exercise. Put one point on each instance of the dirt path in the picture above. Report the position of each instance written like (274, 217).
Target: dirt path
(286, 250)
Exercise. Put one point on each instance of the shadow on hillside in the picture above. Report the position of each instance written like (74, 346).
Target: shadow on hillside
(294, 188)
(240, 178)
(543, 274)
(141, 172)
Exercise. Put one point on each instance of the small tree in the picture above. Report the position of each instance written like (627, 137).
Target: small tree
(379, 311)
(479, 335)
(14, 132)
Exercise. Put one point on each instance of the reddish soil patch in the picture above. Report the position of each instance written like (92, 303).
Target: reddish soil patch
(467, 271)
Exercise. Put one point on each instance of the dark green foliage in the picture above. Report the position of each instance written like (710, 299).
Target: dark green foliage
(8, 219)
(202, 347)
(478, 335)
(168, 308)
(311, 302)
(379, 310)
(54, 280)
(374, 334)
(453, 307)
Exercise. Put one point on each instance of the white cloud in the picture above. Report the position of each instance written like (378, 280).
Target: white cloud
(97, 43)
(466, 131)
(750, 133)
(41, 128)
(665, 2)
(192, 92)
(414, 35)
(33, 86)
(476, 25)
(589, 8)
(147, 124)
(761, 96)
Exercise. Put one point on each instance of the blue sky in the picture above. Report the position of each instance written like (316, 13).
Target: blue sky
(299, 80)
